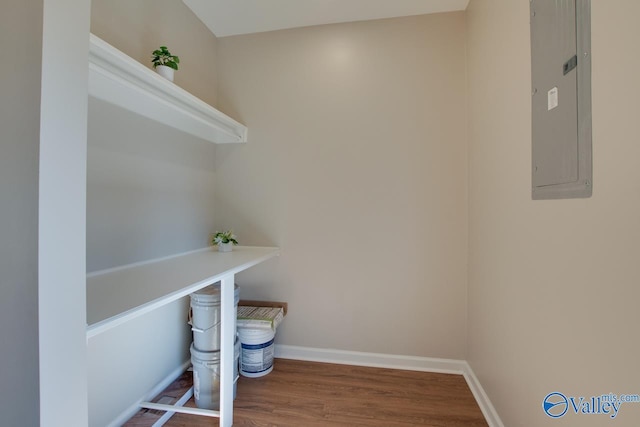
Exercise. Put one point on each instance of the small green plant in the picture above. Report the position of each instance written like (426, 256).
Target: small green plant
(224, 237)
(162, 56)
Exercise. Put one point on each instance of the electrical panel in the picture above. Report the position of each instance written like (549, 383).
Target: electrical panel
(561, 99)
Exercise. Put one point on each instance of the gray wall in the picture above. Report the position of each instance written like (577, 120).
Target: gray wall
(21, 41)
(150, 188)
(150, 193)
(553, 284)
(356, 168)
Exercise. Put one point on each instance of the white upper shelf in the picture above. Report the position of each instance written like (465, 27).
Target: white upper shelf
(118, 295)
(118, 79)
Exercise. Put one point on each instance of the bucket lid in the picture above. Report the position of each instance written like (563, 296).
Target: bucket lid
(204, 356)
(212, 293)
(256, 336)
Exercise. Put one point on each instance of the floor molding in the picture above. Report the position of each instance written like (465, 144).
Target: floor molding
(375, 360)
(133, 409)
(487, 408)
(392, 361)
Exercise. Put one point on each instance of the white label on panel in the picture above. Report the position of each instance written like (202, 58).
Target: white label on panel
(552, 99)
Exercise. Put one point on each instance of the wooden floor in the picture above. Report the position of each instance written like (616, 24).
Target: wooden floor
(309, 394)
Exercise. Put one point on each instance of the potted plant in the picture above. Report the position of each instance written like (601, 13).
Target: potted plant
(164, 62)
(225, 240)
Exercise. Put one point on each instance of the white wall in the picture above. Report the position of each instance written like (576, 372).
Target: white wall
(42, 190)
(553, 285)
(20, 40)
(150, 194)
(129, 360)
(356, 168)
(61, 214)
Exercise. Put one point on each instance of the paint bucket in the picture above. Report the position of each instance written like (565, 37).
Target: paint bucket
(206, 376)
(205, 316)
(256, 352)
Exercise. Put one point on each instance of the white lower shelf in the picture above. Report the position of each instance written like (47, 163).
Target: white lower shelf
(117, 295)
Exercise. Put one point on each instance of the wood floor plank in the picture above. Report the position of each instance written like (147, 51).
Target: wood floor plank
(310, 394)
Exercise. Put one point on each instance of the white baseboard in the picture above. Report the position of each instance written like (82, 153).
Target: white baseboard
(392, 361)
(489, 412)
(133, 409)
(376, 360)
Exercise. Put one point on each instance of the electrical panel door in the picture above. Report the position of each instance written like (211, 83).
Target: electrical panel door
(561, 99)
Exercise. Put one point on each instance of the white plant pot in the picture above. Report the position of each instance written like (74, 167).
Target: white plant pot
(166, 72)
(225, 247)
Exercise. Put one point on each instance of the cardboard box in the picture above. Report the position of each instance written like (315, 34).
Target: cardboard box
(261, 314)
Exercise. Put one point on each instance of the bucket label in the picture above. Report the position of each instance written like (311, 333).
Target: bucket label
(258, 346)
(256, 358)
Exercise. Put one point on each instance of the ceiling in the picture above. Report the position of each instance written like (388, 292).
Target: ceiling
(233, 17)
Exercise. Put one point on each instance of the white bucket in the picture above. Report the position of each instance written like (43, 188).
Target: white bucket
(206, 316)
(256, 353)
(206, 376)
